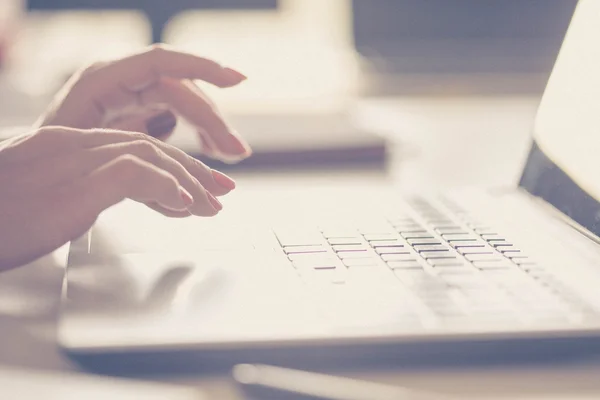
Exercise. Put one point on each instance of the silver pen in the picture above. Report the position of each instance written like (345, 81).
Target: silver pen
(265, 382)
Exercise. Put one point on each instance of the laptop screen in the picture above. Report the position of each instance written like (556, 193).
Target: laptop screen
(564, 163)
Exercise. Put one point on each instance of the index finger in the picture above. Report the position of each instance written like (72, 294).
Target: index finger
(141, 70)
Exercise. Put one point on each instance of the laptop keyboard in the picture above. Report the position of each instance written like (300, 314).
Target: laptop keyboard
(451, 265)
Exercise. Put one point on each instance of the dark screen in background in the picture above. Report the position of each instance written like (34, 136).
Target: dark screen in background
(413, 36)
(543, 178)
(158, 11)
(131, 4)
(462, 36)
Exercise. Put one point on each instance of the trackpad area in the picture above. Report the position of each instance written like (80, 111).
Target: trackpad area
(162, 299)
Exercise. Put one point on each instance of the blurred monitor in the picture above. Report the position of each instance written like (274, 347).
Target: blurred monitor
(466, 36)
(412, 36)
(158, 11)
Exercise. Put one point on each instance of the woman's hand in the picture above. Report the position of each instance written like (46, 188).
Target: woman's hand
(54, 183)
(144, 93)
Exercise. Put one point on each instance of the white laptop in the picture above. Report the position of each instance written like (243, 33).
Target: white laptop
(309, 276)
(27, 384)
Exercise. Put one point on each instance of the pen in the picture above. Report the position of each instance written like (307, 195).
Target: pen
(265, 382)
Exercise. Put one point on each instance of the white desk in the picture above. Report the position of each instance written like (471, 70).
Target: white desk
(443, 142)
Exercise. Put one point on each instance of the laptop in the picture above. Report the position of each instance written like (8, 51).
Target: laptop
(349, 277)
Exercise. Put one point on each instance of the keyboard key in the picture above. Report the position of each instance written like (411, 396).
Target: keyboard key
(464, 281)
(404, 219)
(304, 249)
(510, 278)
(459, 237)
(508, 251)
(525, 261)
(528, 265)
(485, 294)
(541, 274)
(515, 255)
(398, 257)
(386, 243)
(324, 266)
(311, 256)
(381, 237)
(344, 240)
(447, 224)
(348, 247)
(345, 255)
(339, 233)
(292, 238)
(407, 264)
(316, 264)
(377, 230)
(439, 221)
(436, 254)
(471, 244)
(484, 257)
(500, 243)
(426, 247)
(410, 230)
(360, 262)
(417, 235)
(491, 236)
(485, 231)
(464, 269)
(456, 230)
(492, 264)
(328, 276)
(418, 278)
(445, 262)
(475, 250)
(392, 250)
(407, 227)
(428, 286)
(422, 241)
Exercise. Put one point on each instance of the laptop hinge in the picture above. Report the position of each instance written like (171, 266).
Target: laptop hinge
(556, 213)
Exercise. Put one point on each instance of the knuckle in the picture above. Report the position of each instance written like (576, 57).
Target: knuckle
(171, 182)
(80, 80)
(47, 131)
(146, 150)
(158, 46)
(128, 167)
(196, 164)
(138, 136)
(89, 71)
(165, 181)
(92, 68)
(157, 50)
(50, 132)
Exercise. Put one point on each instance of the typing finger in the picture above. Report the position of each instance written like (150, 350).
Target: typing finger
(130, 177)
(215, 182)
(184, 98)
(141, 70)
(204, 204)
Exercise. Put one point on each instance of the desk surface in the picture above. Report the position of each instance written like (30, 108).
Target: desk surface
(442, 142)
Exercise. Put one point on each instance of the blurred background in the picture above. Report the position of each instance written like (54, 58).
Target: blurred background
(311, 48)
(304, 57)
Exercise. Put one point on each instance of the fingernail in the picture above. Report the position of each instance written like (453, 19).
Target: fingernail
(241, 148)
(214, 202)
(161, 124)
(235, 74)
(223, 180)
(187, 198)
